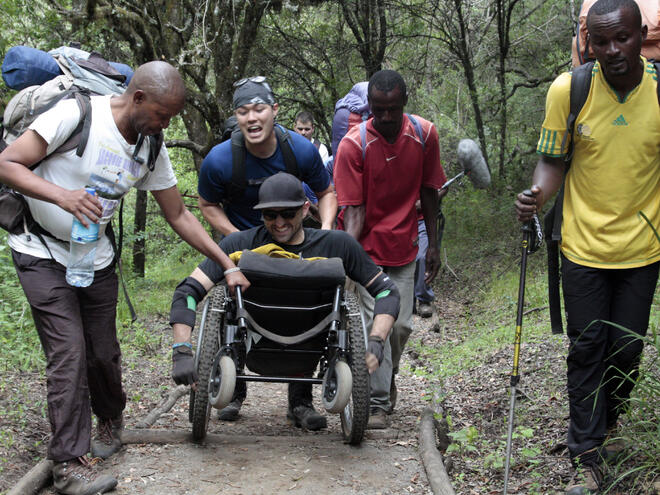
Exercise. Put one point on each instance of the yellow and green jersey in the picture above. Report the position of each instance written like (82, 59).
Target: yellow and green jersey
(614, 178)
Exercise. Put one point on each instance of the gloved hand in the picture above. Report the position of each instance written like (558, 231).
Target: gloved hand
(183, 366)
(376, 347)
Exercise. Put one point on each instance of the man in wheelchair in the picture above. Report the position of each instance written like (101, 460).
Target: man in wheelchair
(283, 206)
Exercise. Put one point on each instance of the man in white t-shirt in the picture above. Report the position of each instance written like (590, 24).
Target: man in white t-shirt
(305, 127)
(76, 325)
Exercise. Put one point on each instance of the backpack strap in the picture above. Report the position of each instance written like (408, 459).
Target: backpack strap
(580, 87)
(155, 144)
(656, 64)
(290, 161)
(363, 138)
(418, 129)
(238, 184)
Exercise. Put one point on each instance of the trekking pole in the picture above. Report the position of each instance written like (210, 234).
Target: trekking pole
(530, 244)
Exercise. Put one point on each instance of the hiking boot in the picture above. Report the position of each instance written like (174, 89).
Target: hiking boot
(230, 412)
(377, 419)
(586, 481)
(107, 440)
(78, 477)
(306, 417)
(614, 446)
(425, 310)
(393, 395)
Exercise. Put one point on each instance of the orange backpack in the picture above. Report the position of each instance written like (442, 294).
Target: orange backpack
(650, 10)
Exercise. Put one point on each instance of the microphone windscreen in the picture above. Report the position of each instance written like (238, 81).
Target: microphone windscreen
(472, 161)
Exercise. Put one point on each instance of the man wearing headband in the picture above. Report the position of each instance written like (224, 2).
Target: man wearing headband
(283, 205)
(255, 110)
(229, 208)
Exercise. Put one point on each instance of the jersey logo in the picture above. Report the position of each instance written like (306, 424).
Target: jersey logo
(620, 121)
(584, 132)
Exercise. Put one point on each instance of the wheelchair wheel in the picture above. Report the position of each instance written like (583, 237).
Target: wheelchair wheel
(208, 348)
(223, 382)
(337, 387)
(355, 415)
(198, 346)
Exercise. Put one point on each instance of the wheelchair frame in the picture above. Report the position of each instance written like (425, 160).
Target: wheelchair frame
(345, 379)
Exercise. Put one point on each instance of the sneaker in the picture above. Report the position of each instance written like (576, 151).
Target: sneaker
(425, 310)
(393, 394)
(107, 440)
(230, 413)
(78, 477)
(377, 419)
(586, 481)
(306, 417)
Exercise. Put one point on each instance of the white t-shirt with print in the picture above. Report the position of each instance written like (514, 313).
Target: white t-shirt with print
(106, 163)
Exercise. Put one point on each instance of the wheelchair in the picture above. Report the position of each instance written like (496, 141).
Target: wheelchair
(294, 315)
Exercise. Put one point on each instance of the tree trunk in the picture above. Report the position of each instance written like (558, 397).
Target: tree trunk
(138, 230)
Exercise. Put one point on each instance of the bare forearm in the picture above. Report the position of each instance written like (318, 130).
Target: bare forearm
(429, 206)
(328, 210)
(354, 220)
(547, 179)
(216, 217)
(191, 231)
(24, 181)
(382, 325)
(181, 332)
(548, 175)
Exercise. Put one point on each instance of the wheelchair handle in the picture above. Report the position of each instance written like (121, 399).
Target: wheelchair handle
(239, 305)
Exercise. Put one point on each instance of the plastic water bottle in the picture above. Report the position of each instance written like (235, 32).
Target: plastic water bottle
(80, 269)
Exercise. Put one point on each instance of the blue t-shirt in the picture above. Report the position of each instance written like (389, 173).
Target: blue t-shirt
(215, 176)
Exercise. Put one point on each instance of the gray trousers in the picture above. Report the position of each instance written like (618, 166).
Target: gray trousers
(404, 278)
(77, 330)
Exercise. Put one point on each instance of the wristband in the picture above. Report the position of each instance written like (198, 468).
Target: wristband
(231, 270)
(182, 344)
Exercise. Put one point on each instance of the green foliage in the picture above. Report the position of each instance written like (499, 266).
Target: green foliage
(17, 331)
(464, 440)
(639, 466)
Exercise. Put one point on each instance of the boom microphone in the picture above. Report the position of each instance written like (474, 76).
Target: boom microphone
(473, 163)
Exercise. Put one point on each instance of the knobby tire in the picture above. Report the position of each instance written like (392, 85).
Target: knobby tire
(201, 410)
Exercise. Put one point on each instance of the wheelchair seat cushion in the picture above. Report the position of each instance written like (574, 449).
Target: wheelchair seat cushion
(265, 271)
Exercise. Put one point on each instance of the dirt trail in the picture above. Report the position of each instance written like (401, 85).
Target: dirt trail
(262, 453)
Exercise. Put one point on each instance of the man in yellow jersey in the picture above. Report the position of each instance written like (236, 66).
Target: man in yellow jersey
(610, 256)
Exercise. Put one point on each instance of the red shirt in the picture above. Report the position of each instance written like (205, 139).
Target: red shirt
(387, 182)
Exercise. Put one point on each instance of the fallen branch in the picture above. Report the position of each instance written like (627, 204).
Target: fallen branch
(164, 407)
(435, 470)
(540, 308)
(34, 480)
(449, 267)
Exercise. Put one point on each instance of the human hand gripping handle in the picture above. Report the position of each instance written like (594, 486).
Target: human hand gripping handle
(183, 366)
(528, 203)
(235, 278)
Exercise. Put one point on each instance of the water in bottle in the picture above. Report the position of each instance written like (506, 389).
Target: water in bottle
(80, 269)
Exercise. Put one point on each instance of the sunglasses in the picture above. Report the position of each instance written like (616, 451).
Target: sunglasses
(254, 79)
(287, 214)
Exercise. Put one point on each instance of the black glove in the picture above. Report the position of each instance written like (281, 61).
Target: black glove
(376, 347)
(183, 366)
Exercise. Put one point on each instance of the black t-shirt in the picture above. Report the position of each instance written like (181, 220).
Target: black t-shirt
(318, 243)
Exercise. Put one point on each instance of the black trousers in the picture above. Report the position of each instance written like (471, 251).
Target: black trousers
(78, 333)
(600, 355)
